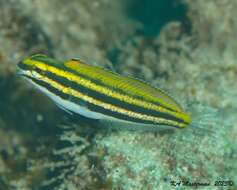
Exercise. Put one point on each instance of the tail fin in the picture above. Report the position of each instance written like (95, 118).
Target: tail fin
(206, 122)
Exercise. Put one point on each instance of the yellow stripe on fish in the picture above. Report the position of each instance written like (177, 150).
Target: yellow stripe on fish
(100, 94)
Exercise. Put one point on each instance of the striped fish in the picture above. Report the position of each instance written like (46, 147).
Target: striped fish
(101, 94)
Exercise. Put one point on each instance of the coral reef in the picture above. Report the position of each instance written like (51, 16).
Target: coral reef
(191, 54)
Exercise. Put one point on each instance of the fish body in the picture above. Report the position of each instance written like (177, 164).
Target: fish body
(101, 94)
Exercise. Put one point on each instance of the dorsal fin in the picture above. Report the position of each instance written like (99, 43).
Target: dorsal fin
(128, 85)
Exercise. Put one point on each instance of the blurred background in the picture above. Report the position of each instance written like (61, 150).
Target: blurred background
(185, 47)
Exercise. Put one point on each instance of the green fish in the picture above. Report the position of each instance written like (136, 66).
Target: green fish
(100, 94)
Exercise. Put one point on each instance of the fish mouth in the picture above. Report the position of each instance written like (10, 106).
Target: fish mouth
(20, 72)
(22, 69)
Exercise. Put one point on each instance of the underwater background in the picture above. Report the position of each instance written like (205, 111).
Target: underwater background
(185, 47)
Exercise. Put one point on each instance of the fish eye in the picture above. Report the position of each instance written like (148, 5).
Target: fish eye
(35, 74)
